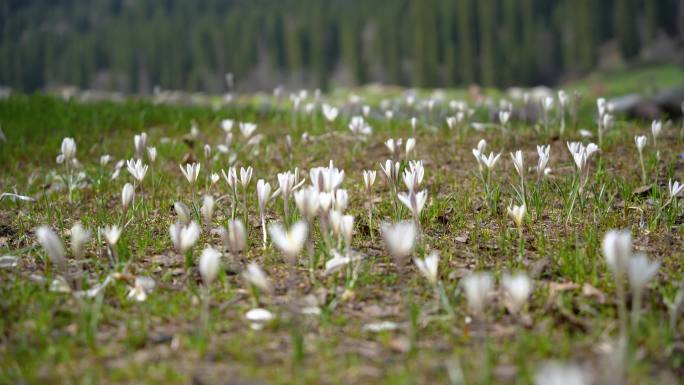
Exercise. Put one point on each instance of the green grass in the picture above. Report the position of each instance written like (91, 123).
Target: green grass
(54, 337)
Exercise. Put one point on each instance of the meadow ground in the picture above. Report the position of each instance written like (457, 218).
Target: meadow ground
(326, 331)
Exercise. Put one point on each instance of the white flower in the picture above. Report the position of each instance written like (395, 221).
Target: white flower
(451, 122)
(391, 170)
(556, 373)
(365, 110)
(184, 237)
(79, 237)
(235, 236)
(245, 176)
(358, 125)
(413, 122)
(247, 129)
(256, 277)
(111, 234)
(289, 242)
(183, 212)
(518, 288)
(490, 161)
(601, 106)
(504, 116)
(207, 151)
(227, 125)
(640, 271)
(137, 169)
(104, 159)
(140, 289)
(191, 172)
(263, 194)
(392, 145)
(52, 245)
(428, 267)
(127, 195)
(640, 142)
(517, 213)
(231, 178)
(581, 154)
(330, 112)
(410, 145)
(413, 175)
(342, 226)
(369, 178)
(674, 188)
(544, 156)
(414, 201)
(152, 154)
(258, 317)
(326, 179)
(547, 103)
(656, 128)
(562, 98)
(478, 288)
(307, 201)
(519, 163)
(389, 114)
(617, 250)
(68, 149)
(338, 261)
(325, 201)
(140, 142)
(214, 178)
(340, 200)
(286, 181)
(207, 209)
(209, 264)
(400, 238)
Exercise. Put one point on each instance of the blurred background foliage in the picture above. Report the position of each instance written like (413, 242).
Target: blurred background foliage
(135, 45)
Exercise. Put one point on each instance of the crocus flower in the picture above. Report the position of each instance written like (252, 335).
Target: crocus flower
(247, 129)
(137, 169)
(640, 142)
(674, 188)
(207, 209)
(369, 179)
(182, 212)
(139, 143)
(544, 156)
(428, 267)
(151, 154)
(253, 275)
(68, 149)
(517, 213)
(184, 237)
(518, 288)
(191, 172)
(478, 288)
(209, 264)
(79, 237)
(52, 245)
(556, 373)
(307, 201)
(111, 234)
(519, 163)
(235, 236)
(127, 195)
(617, 250)
(330, 112)
(400, 239)
(640, 271)
(291, 241)
(656, 128)
(414, 201)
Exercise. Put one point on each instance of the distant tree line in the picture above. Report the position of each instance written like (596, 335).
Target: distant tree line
(134, 45)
